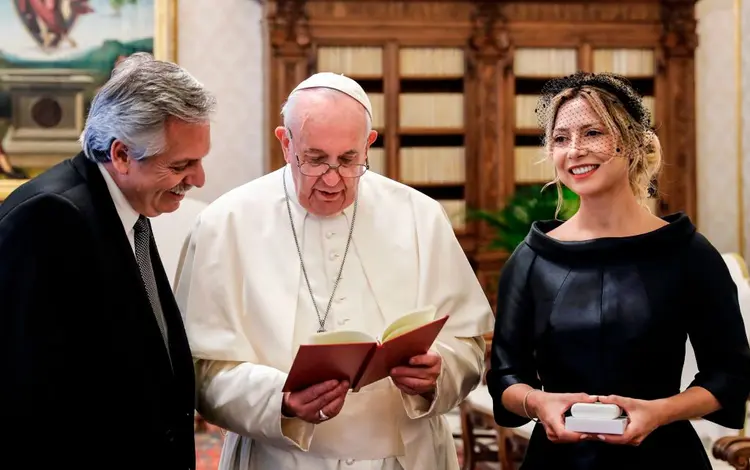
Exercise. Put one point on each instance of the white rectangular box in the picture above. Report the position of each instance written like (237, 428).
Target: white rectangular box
(596, 426)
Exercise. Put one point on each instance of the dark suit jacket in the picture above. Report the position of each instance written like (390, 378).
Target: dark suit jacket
(84, 373)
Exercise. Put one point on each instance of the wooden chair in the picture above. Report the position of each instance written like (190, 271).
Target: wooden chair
(735, 450)
(480, 444)
(478, 435)
(485, 441)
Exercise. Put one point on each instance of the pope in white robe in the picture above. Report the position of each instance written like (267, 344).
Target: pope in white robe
(323, 243)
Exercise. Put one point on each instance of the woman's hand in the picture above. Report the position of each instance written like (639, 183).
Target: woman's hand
(643, 417)
(550, 408)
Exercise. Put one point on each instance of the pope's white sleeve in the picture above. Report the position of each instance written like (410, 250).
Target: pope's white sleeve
(448, 282)
(246, 399)
(461, 371)
(233, 391)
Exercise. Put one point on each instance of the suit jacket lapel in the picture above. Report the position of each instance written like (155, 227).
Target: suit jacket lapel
(108, 228)
(108, 223)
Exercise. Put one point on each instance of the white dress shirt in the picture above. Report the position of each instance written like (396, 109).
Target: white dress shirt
(127, 214)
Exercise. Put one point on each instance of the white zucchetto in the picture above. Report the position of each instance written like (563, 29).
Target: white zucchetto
(338, 82)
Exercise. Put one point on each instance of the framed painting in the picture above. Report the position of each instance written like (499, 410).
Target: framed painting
(54, 55)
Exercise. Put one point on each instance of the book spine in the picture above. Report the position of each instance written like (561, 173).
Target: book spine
(363, 369)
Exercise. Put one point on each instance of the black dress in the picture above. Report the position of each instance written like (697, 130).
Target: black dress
(611, 316)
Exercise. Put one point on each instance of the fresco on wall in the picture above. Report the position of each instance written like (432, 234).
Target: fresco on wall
(54, 54)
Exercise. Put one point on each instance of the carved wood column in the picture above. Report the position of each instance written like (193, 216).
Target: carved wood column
(290, 59)
(677, 183)
(490, 68)
(490, 62)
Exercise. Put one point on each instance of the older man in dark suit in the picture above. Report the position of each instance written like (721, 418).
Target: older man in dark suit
(96, 369)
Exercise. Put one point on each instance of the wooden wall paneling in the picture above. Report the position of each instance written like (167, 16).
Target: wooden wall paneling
(585, 56)
(429, 23)
(473, 157)
(290, 60)
(491, 61)
(678, 183)
(507, 85)
(662, 110)
(392, 89)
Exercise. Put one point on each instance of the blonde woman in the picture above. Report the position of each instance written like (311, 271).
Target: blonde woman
(598, 308)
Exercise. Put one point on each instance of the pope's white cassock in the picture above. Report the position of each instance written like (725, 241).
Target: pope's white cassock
(247, 308)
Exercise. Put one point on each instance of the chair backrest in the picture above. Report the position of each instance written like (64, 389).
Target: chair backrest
(171, 230)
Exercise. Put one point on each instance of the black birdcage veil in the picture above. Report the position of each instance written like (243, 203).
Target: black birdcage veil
(616, 85)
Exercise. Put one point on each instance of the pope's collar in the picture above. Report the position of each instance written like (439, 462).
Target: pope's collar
(297, 207)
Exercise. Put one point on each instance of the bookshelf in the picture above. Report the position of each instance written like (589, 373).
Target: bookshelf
(431, 127)
(454, 85)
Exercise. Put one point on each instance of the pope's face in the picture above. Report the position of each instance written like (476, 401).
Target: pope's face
(331, 133)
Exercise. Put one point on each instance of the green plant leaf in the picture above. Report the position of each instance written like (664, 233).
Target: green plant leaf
(527, 205)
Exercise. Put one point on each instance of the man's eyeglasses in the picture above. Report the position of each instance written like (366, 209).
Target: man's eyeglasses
(345, 170)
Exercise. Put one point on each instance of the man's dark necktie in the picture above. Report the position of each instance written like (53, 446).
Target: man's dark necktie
(143, 257)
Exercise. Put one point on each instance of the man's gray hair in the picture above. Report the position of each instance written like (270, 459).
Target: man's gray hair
(289, 115)
(135, 103)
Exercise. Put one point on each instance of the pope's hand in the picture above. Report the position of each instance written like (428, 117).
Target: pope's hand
(420, 376)
(316, 403)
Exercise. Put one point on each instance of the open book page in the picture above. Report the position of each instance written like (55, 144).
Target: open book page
(409, 322)
(358, 357)
(340, 337)
(398, 349)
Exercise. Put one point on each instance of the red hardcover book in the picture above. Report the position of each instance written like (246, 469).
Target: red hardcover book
(360, 358)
